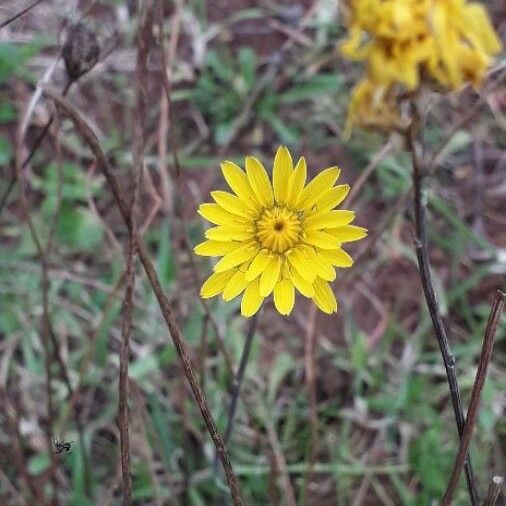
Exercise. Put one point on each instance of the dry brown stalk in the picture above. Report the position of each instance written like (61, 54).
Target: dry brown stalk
(494, 491)
(143, 46)
(20, 13)
(474, 403)
(414, 142)
(91, 140)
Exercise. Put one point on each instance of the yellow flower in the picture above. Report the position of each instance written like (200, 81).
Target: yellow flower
(277, 238)
(450, 42)
(373, 106)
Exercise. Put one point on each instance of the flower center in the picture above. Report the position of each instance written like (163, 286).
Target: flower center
(278, 229)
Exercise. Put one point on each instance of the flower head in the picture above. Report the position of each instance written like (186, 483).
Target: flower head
(277, 237)
(405, 42)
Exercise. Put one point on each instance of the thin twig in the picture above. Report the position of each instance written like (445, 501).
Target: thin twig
(91, 140)
(494, 491)
(20, 13)
(143, 46)
(422, 251)
(237, 382)
(474, 403)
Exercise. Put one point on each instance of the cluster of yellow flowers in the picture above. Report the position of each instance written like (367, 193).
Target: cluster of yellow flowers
(450, 42)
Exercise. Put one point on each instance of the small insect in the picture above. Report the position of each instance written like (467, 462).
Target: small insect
(62, 446)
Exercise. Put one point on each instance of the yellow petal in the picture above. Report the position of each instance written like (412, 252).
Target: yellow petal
(348, 233)
(235, 286)
(231, 232)
(303, 286)
(337, 257)
(270, 276)
(321, 239)
(231, 203)
(216, 283)
(259, 181)
(332, 198)
(217, 215)
(215, 248)
(329, 219)
(324, 268)
(251, 300)
(297, 182)
(237, 180)
(284, 296)
(258, 264)
(302, 264)
(319, 185)
(236, 257)
(281, 173)
(324, 296)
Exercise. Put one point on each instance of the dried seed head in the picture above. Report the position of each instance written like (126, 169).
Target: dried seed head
(80, 51)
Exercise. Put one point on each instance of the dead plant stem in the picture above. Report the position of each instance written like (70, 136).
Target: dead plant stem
(414, 141)
(143, 47)
(474, 403)
(20, 13)
(494, 491)
(91, 140)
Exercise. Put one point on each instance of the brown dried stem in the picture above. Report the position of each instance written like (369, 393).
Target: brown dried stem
(414, 141)
(494, 491)
(91, 140)
(143, 47)
(474, 404)
(20, 13)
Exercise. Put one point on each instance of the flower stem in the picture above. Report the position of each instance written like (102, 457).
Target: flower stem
(422, 252)
(236, 385)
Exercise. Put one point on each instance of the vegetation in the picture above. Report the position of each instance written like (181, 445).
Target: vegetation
(350, 408)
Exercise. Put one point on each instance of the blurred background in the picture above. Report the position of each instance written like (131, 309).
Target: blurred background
(347, 409)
